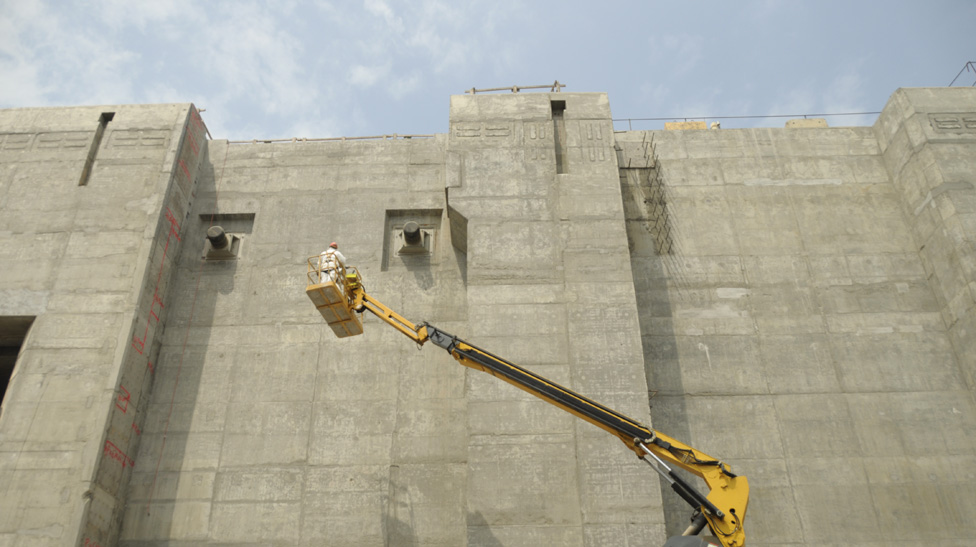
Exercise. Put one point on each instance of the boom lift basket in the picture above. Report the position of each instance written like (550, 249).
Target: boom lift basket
(331, 292)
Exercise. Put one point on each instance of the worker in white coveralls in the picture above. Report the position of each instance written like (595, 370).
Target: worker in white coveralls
(329, 262)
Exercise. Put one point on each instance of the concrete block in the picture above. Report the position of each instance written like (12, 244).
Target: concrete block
(519, 106)
(170, 486)
(825, 505)
(482, 534)
(340, 438)
(180, 452)
(884, 323)
(433, 430)
(374, 377)
(287, 374)
(197, 373)
(605, 467)
(623, 534)
(776, 269)
(16, 420)
(692, 172)
(674, 126)
(262, 485)
(692, 420)
(58, 422)
(426, 504)
(591, 206)
(345, 504)
(522, 481)
(815, 425)
(806, 123)
(702, 223)
(266, 433)
(516, 418)
(249, 522)
(913, 423)
(798, 363)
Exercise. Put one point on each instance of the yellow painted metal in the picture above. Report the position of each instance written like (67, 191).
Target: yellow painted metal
(361, 300)
(330, 291)
(339, 298)
(335, 309)
(729, 494)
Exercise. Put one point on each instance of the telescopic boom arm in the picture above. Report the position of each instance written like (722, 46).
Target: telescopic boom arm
(723, 508)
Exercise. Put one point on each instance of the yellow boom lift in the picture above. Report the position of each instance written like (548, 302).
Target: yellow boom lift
(339, 295)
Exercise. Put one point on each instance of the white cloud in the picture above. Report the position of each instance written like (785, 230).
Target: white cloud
(381, 9)
(367, 76)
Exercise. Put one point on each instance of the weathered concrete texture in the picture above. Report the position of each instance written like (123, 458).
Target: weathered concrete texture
(798, 302)
(928, 139)
(549, 286)
(810, 321)
(91, 264)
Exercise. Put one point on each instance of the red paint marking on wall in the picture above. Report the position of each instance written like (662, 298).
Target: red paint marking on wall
(185, 171)
(193, 142)
(152, 308)
(122, 402)
(174, 228)
(149, 365)
(139, 344)
(116, 454)
(90, 543)
(136, 429)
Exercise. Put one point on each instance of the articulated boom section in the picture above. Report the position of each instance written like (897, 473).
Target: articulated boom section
(340, 294)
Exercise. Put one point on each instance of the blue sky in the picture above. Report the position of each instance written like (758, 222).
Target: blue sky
(354, 68)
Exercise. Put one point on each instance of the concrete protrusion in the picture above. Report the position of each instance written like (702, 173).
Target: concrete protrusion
(218, 238)
(806, 122)
(411, 233)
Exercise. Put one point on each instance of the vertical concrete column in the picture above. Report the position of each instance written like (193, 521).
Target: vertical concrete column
(92, 264)
(133, 368)
(549, 287)
(928, 139)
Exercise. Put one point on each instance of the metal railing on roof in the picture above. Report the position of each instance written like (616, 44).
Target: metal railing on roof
(706, 118)
(394, 136)
(555, 87)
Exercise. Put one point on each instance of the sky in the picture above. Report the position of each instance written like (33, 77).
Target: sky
(289, 68)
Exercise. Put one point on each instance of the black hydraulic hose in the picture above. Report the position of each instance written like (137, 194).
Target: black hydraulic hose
(549, 390)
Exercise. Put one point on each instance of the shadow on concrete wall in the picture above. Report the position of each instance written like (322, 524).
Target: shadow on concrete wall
(159, 475)
(483, 537)
(653, 254)
(420, 267)
(398, 517)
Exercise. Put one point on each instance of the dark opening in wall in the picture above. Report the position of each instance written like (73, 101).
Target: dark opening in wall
(13, 332)
(559, 135)
(397, 250)
(93, 149)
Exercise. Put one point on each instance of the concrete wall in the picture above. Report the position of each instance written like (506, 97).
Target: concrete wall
(795, 328)
(798, 302)
(91, 263)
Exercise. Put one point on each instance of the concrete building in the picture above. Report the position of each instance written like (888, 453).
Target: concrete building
(798, 302)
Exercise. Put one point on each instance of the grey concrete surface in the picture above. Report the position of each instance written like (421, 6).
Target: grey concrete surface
(805, 324)
(796, 301)
(91, 263)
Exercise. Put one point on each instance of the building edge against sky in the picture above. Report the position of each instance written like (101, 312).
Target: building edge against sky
(798, 302)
